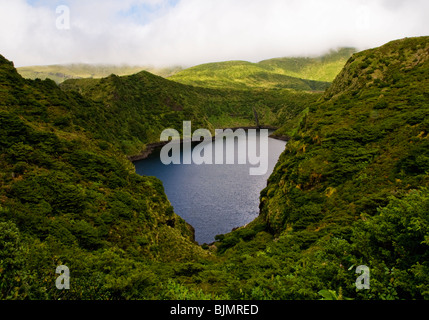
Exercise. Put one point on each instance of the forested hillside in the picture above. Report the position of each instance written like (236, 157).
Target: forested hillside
(69, 197)
(68, 194)
(133, 110)
(350, 189)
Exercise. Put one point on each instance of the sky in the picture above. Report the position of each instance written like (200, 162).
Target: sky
(190, 32)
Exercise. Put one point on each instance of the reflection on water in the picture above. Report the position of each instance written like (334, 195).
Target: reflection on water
(214, 198)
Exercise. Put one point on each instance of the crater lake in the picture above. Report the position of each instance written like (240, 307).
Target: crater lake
(214, 198)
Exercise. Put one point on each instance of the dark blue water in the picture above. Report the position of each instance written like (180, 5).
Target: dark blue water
(214, 198)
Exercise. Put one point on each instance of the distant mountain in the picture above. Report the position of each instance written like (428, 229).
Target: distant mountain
(309, 74)
(60, 73)
(301, 73)
(322, 68)
(243, 75)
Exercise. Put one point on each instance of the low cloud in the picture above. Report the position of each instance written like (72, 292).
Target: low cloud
(189, 32)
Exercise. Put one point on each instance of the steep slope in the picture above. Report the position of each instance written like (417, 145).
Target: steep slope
(275, 73)
(133, 110)
(347, 191)
(243, 75)
(69, 198)
(361, 136)
(350, 189)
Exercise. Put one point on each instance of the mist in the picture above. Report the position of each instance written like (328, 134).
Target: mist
(189, 32)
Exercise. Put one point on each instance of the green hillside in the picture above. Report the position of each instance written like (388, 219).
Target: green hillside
(350, 188)
(133, 110)
(308, 74)
(70, 197)
(60, 73)
(242, 75)
(293, 73)
(68, 194)
(323, 68)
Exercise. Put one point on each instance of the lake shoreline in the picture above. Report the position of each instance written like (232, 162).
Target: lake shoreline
(151, 147)
(212, 199)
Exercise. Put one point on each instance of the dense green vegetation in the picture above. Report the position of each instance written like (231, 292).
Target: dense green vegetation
(67, 197)
(133, 110)
(350, 189)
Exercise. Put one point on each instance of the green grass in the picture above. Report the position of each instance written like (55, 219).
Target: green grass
(324, 68)
(60, 73)
(307, 74)
(243, 75)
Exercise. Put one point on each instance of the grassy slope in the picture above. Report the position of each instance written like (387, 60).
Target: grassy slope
(133, 110)
(242, 75)
(309, 74)
(323, 68)
(272, 73)
(60, 73)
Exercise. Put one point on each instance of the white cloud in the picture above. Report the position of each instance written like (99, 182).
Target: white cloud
(196, 31)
